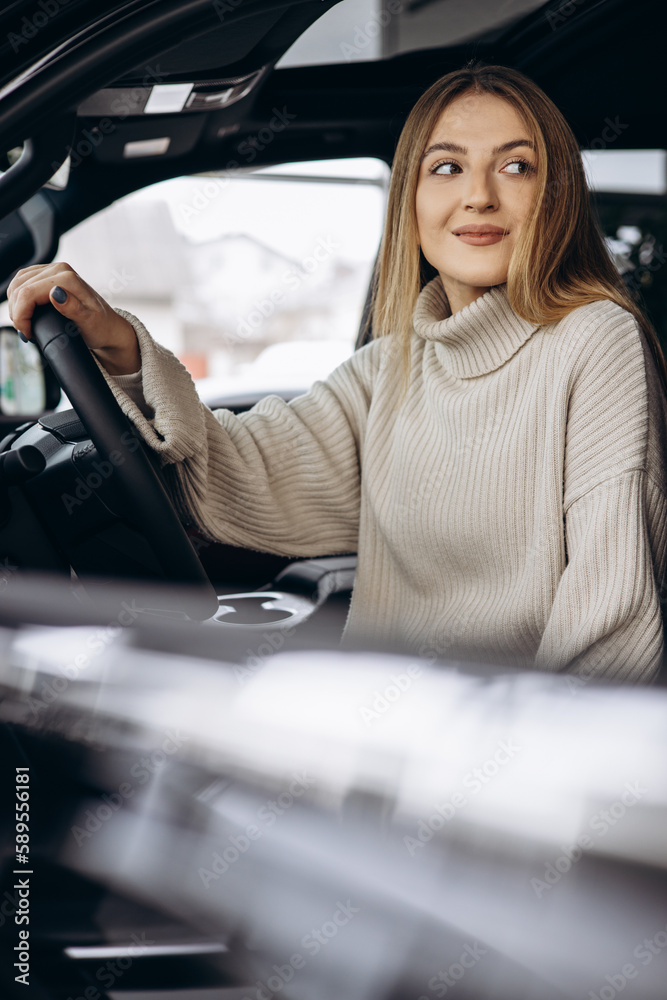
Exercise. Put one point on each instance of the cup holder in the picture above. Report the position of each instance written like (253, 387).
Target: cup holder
(262, 608)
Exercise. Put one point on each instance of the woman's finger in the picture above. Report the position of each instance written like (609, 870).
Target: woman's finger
(35, 270)
(39, 291)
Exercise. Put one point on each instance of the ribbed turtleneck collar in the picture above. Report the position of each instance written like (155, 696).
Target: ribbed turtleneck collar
(478, 338)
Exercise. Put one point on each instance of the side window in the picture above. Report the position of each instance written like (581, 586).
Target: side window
(630, 187)
(256, 280)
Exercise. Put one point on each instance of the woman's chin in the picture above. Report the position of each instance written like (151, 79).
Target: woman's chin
(479, 279)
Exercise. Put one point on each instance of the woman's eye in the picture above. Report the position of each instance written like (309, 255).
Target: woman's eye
(518, 167)
(445, 168)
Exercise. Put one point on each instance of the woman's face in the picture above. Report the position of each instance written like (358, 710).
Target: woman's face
(475, 190)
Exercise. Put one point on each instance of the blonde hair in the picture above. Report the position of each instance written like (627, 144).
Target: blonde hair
(560, 260)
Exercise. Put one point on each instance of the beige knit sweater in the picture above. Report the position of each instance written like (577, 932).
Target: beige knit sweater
(511, 506)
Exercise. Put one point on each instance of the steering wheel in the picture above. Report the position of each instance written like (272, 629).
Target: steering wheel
(65, 350)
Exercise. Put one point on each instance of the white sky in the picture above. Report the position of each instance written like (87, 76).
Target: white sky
(290, 217)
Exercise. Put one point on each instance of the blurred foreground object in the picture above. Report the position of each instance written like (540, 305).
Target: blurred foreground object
(327, 825)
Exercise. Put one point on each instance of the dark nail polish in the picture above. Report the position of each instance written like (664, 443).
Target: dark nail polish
(59, 294)
(22, 336)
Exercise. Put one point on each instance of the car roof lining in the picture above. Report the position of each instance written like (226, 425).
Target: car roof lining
(245, 33)
(212, 52)
(27, 32)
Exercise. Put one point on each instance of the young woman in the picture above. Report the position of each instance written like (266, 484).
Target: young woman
(496, 455)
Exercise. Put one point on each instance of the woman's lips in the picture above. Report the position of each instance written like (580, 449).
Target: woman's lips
(480, 239)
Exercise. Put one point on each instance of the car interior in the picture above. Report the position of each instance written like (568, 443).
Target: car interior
(95, 93)
(100, 99)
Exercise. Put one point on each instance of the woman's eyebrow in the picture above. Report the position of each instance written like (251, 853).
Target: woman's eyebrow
(452, 147)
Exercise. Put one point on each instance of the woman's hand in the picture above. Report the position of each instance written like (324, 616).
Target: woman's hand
(105, 332)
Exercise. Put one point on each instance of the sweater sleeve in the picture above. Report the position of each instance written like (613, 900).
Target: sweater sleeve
(606, 619)
(131, 384)
(282, 478)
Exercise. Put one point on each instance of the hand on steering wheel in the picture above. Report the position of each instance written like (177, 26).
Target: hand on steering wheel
(114, 437)
(105, 332)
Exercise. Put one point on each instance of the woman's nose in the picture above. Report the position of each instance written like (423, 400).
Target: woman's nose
(480, 193)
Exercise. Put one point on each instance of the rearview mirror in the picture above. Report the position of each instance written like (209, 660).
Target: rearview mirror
(27, 385)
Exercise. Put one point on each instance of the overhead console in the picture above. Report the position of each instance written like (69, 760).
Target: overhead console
(151, 117)
(154, 97)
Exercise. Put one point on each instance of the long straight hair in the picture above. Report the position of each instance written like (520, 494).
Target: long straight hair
(560, 260)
